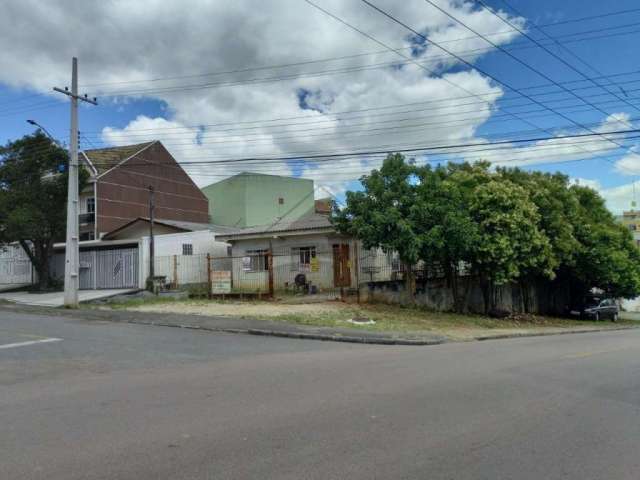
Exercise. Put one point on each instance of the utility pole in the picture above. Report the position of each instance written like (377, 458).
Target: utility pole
(72, 250)
(152, 252)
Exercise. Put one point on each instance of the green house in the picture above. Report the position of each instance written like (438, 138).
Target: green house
(251, 199)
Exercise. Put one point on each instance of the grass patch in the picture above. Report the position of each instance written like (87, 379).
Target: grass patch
(396, 318)
(336, 314)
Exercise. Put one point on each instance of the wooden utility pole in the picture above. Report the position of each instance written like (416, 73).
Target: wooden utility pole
(152, 253)
(209, 285)
(72, 248)
(270, 267)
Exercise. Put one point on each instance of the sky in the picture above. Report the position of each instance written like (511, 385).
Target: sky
(271, 86)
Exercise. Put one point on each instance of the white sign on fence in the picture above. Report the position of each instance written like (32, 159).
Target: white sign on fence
(220, 281)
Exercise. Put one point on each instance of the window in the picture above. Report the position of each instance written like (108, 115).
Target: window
(187, 249)
(86, 236)
(301, 257)
(257, 261)
(91, 205)
(632, 227)
(280, 201)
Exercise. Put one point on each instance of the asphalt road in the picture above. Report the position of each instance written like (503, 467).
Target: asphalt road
(118, 401)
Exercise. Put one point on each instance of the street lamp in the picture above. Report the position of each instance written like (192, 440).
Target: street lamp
(36, 124)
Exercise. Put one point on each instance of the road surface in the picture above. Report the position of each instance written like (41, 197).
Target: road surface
(92, 400)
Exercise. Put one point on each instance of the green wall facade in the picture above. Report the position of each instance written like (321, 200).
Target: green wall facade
(250, 199)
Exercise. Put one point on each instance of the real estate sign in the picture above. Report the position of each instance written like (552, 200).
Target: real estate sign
(220, 281)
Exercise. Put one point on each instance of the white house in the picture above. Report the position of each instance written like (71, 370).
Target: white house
(308, 248)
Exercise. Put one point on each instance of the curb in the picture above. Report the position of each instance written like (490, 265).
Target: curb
(297, 335)
(548, 334)
(369, 340)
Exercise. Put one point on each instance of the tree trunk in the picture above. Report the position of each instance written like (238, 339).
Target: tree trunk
(487, 293)
(410, 283)
(451, 273)
(39, 258)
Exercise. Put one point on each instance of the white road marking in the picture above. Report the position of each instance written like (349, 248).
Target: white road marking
(26, 344)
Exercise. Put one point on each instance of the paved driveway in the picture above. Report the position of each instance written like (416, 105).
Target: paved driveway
(56, 299)
(90, 400)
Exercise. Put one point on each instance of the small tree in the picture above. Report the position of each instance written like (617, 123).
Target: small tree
(33, 197)
(381, 215)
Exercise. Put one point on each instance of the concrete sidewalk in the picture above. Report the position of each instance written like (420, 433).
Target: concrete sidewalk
(56, 299)
(277, 329)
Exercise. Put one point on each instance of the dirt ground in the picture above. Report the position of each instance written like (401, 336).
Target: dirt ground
(246, 309)
(386, 317)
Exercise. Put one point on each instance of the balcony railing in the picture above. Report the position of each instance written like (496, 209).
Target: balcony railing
(85, 218)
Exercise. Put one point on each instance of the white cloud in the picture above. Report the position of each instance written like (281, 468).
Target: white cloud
(559, 149)
(586, 182)
(620, 198)
(120, 41)
(629, 164)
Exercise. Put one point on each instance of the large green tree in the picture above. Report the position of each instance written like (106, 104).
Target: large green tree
(606, 257)
(446, 230)
(509, 240)
(503, 225)
(381, 214)
(33, 196)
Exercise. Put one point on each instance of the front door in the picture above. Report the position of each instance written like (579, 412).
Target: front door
(341, 265)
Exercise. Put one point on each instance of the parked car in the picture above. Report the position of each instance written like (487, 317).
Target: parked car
(595, 308)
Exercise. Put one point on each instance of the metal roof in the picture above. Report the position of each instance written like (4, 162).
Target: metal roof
(103, 159)
(310, 222)
(180, 225)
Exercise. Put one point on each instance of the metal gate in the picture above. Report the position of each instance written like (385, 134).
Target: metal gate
(102, 269)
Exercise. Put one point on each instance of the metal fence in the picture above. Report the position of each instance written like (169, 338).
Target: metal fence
(335, 271)
(15, 271)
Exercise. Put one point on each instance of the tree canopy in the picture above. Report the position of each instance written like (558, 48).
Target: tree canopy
(504, 225)
(33, 196)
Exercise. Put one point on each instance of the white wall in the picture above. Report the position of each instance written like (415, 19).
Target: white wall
(15, 266)
(191, 269)
(285, 264)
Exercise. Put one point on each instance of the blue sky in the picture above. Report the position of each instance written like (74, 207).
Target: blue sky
(124, 46)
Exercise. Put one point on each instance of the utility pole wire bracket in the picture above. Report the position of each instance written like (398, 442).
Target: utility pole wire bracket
(84, 98)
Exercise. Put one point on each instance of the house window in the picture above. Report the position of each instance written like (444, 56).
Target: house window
(187, 249)
(91, 205)
(86, 236)
(257, 261)
(632, 227)
(301, 257)
(280, 201)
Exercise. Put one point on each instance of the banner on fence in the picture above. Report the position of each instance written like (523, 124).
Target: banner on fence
(314, 264)
(220, 281)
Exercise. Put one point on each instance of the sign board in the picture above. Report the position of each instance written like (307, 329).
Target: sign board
(314, 264)
(246, 264)
(220, 281)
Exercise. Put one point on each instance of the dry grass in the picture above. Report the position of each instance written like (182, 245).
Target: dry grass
(386, 317)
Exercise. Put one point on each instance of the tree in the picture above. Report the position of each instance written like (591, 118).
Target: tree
(381, 215)
(33, 196)
(606, 258)
(447, 232)
(509, 240)
(558, 207)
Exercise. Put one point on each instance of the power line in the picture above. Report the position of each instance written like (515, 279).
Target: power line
(557, 57)
(344, 123)
(324, 60)
(387, 107)
(344, 70)
(510, 87)
(424, 148)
